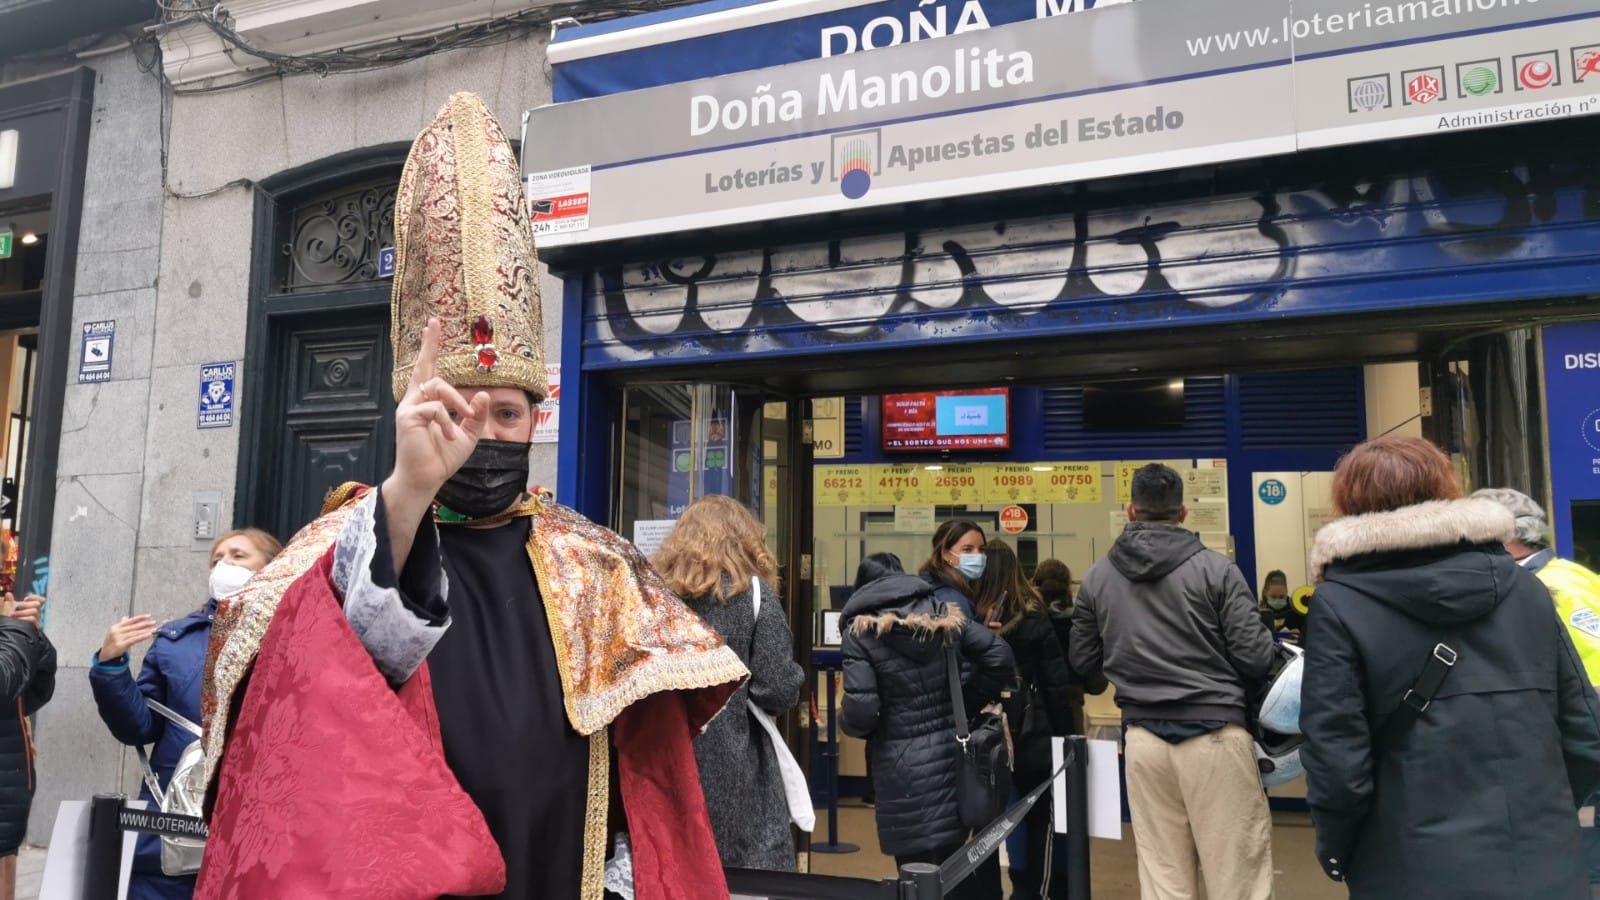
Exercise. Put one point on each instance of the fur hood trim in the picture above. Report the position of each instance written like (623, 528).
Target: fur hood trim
(1436, 523)
(946, 619)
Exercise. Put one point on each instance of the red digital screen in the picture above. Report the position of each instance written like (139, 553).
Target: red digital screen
(948, 420)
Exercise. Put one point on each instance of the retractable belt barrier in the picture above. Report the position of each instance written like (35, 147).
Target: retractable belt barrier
(916, 881)
(109, 817)
(922, 881)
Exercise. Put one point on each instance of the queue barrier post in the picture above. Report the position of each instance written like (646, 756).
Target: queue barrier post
(920, 881)
(102, 868)
(1077, 874)
(830, 757)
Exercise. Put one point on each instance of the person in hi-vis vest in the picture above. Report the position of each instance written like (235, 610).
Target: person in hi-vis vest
(1576, 593)
(1575, 589)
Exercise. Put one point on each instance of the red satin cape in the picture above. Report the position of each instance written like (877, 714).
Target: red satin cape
(334, 785)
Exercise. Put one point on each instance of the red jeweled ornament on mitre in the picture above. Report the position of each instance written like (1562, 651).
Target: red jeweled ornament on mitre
(483, 338)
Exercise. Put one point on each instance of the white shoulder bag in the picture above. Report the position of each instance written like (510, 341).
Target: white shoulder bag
(795, 790)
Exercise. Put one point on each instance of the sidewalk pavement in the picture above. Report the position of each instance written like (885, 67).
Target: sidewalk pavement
(30, 871)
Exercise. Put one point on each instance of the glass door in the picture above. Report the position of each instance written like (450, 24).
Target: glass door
(680, 442)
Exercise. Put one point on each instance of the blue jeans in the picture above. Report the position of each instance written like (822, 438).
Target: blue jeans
(1017, 841)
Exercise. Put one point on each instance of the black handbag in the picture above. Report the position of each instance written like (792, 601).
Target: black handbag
(983, 776)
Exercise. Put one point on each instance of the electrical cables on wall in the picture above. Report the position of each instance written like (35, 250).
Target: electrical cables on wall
(392, 52)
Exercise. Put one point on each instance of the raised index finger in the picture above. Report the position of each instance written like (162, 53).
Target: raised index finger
(427, 355)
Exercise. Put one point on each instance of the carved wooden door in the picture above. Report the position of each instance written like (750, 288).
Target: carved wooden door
(335, 406)
(318, 407)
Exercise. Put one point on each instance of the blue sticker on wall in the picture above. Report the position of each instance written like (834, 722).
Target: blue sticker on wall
(216, 395)
(94, 357)
(1272, 492)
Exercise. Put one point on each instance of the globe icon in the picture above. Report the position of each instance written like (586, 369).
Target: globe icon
(1369, 95)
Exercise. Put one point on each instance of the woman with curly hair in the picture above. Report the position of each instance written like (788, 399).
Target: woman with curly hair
(715, 559)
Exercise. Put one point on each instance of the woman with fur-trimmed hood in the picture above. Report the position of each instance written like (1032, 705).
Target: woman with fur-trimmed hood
(897, 696)
(1477, 798)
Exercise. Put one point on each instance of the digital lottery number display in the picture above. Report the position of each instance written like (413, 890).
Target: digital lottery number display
(948, 420)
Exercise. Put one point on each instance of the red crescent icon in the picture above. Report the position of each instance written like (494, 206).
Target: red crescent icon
(1536, 74)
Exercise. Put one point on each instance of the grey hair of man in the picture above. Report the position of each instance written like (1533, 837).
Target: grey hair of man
(1531, 526)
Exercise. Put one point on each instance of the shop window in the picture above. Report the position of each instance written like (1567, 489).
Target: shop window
(337, 238)
(18, 369)
(682, 442)
(24, 269)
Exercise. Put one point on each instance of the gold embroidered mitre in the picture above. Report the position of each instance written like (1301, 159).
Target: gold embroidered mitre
(464, 254)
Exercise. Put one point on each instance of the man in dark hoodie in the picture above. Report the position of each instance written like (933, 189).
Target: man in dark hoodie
(1174, 626)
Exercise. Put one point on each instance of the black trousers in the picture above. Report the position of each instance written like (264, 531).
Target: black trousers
(1043, 877)
(984, 884)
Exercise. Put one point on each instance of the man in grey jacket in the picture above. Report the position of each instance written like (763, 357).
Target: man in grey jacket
(1174, 626)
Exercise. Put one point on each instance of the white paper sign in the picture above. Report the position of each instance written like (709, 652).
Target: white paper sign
(1119, 521)
(913, 519)
(68, 856)
(832, 635)
(649, 533)
(1207, 516)
(1105, 789)
(547, 421)
(1206, 483)
(1318, 516)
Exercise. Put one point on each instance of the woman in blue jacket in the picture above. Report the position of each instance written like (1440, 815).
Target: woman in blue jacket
(170, 675)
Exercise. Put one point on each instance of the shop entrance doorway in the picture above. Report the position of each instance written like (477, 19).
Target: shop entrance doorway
(1255, 446)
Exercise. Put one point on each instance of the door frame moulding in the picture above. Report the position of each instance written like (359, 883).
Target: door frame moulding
(73, 93)
(273, 201)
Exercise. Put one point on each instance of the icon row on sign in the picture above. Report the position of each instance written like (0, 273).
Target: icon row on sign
(1524, 72)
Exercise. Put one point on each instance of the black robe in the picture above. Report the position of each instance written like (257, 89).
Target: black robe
(501, 710)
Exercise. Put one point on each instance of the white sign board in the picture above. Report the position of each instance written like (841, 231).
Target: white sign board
(827, 428)
(558, 200)
(1105, 789)
(649, 533)
(69, 853)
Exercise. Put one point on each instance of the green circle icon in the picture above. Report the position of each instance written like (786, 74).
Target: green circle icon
(1479, 80)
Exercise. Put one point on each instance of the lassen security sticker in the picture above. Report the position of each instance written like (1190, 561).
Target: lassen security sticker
(558, 200)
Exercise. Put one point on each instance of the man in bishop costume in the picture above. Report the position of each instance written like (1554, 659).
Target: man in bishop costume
(445, 686)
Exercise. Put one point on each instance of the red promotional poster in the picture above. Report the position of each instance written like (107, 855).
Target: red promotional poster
(977, 419)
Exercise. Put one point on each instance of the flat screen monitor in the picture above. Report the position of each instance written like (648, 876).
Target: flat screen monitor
(947, 420)
(1140, 405)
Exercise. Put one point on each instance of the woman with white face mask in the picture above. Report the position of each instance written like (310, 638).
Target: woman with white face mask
(170, 675)
(956, 564)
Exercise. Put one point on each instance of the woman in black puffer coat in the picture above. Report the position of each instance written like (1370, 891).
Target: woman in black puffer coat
(1046, 701)
(897, 696)
(27, 681)
(1477, 799)
(1053, 580)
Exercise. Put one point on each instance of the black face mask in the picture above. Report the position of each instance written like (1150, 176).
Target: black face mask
(491, 479)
